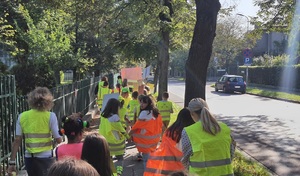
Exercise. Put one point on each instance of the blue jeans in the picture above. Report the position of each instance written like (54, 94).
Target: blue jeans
(145, 159)
(38, 166)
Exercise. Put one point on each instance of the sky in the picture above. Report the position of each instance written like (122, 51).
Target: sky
(245, 7)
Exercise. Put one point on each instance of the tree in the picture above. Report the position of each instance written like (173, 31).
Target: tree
(275, 15)
(201, 48)
(229, 42)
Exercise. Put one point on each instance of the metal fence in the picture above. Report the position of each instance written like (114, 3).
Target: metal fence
(75, 97)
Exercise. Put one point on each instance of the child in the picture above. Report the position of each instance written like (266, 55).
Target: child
(112, 129)
(165, 109)
(95, 151)
(125, 95)
(169, 148)
(133, 104)
(72, 167)
(146, 131)
(72, 127)
(123, 113)
(103, 90)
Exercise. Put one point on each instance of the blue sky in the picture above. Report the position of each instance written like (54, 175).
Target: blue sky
(245, 7)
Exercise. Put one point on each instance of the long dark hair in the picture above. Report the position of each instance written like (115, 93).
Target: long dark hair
(72, 126)
(96, 152)
(111, 108)
(184, 119)
(150, 106)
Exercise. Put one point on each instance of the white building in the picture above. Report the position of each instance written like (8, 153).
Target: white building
(270, 43)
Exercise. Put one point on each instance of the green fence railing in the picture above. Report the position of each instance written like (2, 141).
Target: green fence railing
(70, 98)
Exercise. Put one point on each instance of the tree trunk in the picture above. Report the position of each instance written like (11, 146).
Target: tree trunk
(163, 55)
(201, 48)
(155, 80)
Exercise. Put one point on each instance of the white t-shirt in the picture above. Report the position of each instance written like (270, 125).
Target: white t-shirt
(145, 115)
(114, 118)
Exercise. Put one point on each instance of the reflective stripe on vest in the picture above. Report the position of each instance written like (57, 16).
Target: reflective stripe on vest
(37, 135)
(38, 145)
(36, 129)
(166, 158)
(145, 137)
(210, 163)
(211, 154)
(117, 147)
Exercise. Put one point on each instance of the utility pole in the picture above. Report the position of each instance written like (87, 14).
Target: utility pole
(248, 21)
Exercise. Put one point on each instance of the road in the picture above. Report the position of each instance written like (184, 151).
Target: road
(266, 129)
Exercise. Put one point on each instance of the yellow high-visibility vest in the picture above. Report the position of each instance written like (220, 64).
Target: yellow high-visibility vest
(211, 154)
(36, 129)
(107, 129)
(101, 92)
(165, 108)
(133, 105)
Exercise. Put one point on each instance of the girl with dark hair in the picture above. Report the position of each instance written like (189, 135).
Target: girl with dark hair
(184, 119)
(147, 130)
(147, 109)
(169, 148)
(96, 152)
(72, 127)
(111, 128)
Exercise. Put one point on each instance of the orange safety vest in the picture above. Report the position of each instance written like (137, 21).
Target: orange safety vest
(147, 134)
(165, 160)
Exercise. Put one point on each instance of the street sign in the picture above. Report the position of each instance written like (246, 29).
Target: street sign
(247, 53)
(247, 61)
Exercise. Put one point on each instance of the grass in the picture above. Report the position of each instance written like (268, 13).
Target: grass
(242, 165)
(274, 94)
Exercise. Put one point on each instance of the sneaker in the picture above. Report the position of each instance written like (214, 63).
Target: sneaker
(139, 157)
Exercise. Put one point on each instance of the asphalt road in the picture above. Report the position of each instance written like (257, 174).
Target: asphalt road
(266, 129)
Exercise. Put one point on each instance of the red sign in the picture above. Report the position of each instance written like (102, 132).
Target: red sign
(247, 53)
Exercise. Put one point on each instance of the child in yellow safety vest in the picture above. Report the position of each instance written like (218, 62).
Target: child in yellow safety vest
(111, 128)
(123, 113)
(165, 109)
(125, 95)
(133, 104)
(102, 90)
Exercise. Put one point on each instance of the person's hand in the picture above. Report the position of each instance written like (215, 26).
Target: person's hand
(11, 170)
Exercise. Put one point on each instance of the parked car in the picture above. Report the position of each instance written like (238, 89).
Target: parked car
(231, 83)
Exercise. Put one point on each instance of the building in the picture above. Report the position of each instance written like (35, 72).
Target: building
(272, 43)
